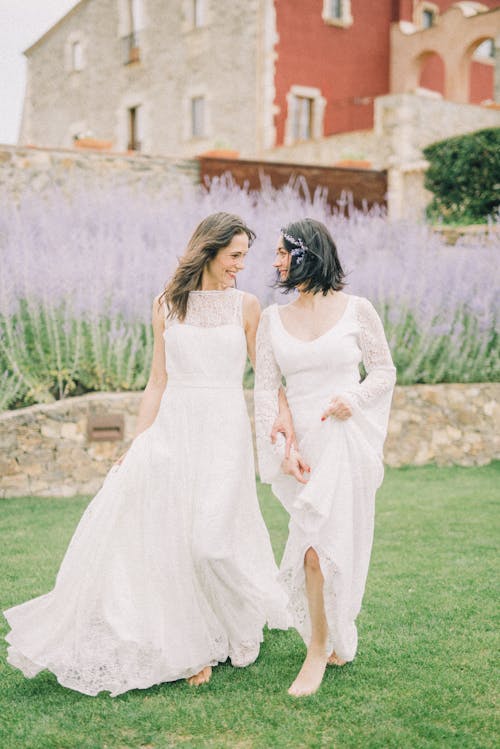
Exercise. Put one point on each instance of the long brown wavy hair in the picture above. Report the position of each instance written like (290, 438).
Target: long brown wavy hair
(213, 234)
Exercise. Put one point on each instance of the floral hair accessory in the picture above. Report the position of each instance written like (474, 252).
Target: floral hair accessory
(299, 249)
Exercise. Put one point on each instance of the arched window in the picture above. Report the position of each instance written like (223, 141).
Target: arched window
(485, 51)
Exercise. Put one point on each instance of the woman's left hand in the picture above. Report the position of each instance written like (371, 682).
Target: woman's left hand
(339, 408)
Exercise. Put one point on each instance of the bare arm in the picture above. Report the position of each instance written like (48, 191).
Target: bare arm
(251, 317)
(157, 381)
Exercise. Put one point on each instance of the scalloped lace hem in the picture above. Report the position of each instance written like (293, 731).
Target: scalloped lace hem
(342, 636)
(132, 668)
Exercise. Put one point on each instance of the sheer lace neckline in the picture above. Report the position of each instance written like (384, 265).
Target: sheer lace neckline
(319, 337)
(229, 289)
(212, 308)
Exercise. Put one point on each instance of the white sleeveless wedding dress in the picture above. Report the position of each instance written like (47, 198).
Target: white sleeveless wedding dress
(334, 512)
(170, 568)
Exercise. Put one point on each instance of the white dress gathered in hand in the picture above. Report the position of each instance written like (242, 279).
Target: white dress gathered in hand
(171, 567)
(334, 512)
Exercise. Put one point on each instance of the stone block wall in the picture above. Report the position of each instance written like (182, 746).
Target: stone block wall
(26, 168)
(44, 449)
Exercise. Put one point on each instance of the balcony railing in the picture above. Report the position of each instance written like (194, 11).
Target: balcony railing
(131, 49)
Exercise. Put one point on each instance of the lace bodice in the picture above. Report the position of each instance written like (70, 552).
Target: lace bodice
(317, 370)
(210, 309)
(208, 348)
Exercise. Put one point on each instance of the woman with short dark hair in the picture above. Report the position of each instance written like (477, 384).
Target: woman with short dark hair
(170, 570)
(328, 481)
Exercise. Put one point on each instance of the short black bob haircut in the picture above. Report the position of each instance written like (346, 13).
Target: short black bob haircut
(315, 269)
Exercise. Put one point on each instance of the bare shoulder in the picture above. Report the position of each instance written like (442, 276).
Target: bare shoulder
(251, 306)
(250, 300)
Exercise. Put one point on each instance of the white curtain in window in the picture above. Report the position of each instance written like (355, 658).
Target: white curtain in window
(198, 13)
(137, 14)
(302, 118)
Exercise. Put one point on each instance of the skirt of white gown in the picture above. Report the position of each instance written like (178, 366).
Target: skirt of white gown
(170, 568)
(333, 514)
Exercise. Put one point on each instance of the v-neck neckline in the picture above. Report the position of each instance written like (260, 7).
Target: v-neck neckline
(323, 335)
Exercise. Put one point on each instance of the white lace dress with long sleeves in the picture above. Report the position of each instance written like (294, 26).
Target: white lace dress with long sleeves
(170, 568)
(334, 512)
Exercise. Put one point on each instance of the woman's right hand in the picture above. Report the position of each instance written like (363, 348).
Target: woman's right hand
(294, 465)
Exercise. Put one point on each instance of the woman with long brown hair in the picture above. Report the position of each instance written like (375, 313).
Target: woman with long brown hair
(170, 570)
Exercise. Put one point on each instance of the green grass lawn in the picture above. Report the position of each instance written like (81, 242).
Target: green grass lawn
(423, 677)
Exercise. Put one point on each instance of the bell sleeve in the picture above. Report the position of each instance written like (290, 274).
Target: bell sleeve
(374, 392)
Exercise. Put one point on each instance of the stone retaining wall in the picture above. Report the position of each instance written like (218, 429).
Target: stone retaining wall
(26, 168)
(44, 449)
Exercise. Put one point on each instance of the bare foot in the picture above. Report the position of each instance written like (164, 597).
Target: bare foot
(202, 677)
(334, 660)
(310, 675)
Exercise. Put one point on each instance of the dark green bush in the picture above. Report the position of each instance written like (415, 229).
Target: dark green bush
(464, 175)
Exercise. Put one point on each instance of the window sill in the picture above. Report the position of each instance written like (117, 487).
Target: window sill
(342, 23)
(300, 141)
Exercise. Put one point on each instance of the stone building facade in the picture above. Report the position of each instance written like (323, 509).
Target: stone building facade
(185, 76)
(174, 77)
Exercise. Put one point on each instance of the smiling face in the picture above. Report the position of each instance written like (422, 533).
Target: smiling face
(282, 259)
(220, 273)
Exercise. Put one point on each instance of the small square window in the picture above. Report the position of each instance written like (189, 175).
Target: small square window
(428, 19)
(198, 117)
(337, 13)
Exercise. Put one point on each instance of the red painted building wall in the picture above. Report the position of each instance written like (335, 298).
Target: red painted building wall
(350, 65)
(482, 81)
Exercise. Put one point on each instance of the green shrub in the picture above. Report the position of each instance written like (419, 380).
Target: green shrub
(464, 175)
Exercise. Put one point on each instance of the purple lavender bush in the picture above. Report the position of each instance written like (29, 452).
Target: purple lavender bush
(78, 275)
